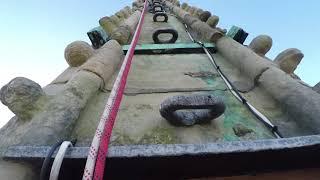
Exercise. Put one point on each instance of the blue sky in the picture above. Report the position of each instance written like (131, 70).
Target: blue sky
(34, 33)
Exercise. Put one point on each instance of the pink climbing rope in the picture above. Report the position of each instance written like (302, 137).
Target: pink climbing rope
(99, 147)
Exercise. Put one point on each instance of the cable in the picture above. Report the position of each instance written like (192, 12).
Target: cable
(46, 163)
(55, 169)
(234, 91)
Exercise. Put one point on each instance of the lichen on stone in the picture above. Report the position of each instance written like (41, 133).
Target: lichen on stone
(241, 130)
(21, 96)
(159, 136)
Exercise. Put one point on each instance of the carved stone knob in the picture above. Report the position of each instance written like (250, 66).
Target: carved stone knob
(191, 10)
(261, 44)
(204, 16)
(213, 21)
(289, 60)
(21, 95)
(78, 53)
(198, 12)
(184, 6)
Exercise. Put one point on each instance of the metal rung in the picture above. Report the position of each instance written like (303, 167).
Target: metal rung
(177, 48)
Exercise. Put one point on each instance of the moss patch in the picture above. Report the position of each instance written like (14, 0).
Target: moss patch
(236, 113)
(120, 139)
(159, 136)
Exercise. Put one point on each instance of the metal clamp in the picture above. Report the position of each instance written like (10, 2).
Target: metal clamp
(163, 14)
(173, 32)
(188, 110)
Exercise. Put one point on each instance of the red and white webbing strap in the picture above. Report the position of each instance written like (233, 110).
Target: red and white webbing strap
(99, 147)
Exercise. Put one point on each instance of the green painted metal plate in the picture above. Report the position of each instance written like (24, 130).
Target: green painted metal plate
(102, 32)
(238, 34)
(233, 31)
(177, 48)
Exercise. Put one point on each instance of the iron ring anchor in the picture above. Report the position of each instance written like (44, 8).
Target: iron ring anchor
(188, 110)
(173, 32)
(155, 10)
(163, 14)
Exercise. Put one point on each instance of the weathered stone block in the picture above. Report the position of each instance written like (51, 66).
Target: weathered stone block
(115, 20)
(301, 102)
(126, 12)
(107, 24)
(137, 5)
(223, 31)
(179, 12)
(248, 62)
(59, 112)
(206, 32)
(121, 15)
(126, 30)
(122, 34)
(188, 19)
(105, 61)
(16, 171)
(203, 29)
(317, 88)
